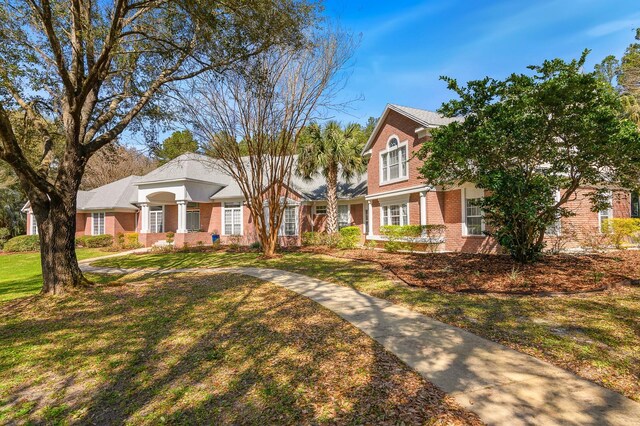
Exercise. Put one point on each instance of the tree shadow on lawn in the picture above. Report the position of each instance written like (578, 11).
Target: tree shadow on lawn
(217, 349)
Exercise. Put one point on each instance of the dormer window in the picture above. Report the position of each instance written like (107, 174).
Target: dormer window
(393, 161)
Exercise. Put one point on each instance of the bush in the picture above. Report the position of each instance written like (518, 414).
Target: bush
(96, 241)
(169, 237)
(22, 243)
(131, 241)
(404, 237)
(321, 239)
(622, 231)
(5, 234)
(370, 245)
(310, 238)
(349, 237)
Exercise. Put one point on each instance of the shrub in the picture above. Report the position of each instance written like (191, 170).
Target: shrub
(592, 239)
(321, 239)
(5, 234)
(131, 241)
(22, 243)
(403, 237)
(349, 237)
(169, 237)
(622, 231)
(310, 238)
(370, 244)
(255, 245)
(96, 241)
(120, 240)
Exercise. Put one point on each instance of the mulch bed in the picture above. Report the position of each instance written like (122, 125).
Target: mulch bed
(489, 273)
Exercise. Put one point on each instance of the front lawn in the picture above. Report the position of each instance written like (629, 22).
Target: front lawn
(223, 349)
(20, 273)
(597, 335)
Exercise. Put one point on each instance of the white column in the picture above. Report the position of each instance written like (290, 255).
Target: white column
(370, 215)
(144, 225)
(423, 208)
(182, 217)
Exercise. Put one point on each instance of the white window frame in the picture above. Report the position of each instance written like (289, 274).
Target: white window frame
(296, 210)
(317, 213)
(349, 219)
(609, 213)
(33, 224)
(93, 223)
(471, 194)
(232, 208)
(387, 206)
(555, 230)
(164, 218)
(384, 180)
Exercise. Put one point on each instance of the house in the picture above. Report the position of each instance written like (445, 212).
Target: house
(193, 198)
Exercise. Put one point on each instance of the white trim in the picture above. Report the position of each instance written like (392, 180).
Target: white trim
(397, 192)
(423, 208)
(281, 231)
(224, 207)
(164, 219)
(609, 212)
(401, 178)
(369, 212)
(33, 230)
(463, 198)
(396, 202)
(104, 223)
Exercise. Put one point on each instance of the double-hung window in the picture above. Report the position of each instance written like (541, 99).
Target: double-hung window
(289, 225)
(473, 220)
(34, 224)
(395, 214)
(232, 218)
(97, 224)
(343, 216)
(321, 210)
(635, 204)
(193, 217)
(605, 215)
(394, 161)
(156, 219)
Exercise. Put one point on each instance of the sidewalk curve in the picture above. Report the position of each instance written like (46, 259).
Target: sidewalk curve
(503, 386)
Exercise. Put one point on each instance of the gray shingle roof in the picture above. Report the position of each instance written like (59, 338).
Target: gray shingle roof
(316, 188)
(423, 116)
(190, 166)
(115, 195)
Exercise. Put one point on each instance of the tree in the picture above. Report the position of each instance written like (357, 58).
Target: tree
(528, 139)
(97, 68)
(180, 142)
(258, 110)
(115, 162)
(331, 151)
(624, 74)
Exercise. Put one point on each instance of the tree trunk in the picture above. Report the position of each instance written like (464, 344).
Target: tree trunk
(60, 270)
(332, 201)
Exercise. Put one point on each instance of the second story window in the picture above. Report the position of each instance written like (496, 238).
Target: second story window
(393, 161)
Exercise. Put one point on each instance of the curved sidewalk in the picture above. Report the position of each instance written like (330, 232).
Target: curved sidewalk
(503, 386)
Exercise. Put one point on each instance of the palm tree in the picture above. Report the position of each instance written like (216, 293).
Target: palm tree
(330, 151)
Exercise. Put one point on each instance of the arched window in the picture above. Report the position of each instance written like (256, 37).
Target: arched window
(393, 161)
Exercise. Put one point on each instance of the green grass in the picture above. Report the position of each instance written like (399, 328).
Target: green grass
(220, 350)
(596, 336)
(20, 273)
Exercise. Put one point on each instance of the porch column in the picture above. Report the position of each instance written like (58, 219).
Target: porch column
(370, 216)
(182, 217)
(423, 208)
(144, 219)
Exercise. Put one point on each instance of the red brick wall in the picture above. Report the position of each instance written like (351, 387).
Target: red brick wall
(435, 207)
(404, 128)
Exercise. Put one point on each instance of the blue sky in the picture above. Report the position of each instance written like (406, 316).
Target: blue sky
(407, 45)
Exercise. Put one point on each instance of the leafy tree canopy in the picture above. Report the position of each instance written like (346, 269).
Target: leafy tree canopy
(180, 142)
(529, 136)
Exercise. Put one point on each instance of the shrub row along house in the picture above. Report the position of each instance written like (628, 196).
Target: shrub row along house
(189, 198)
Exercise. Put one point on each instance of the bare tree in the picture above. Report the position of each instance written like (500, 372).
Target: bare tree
(252, 119)
(115, 162)
(93, 68)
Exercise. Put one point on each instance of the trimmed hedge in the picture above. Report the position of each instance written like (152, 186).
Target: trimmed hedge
(400, 237)
(22, 243)
(95, 241)
(349, 237)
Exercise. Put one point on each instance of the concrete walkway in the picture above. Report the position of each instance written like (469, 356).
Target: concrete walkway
(502, 386)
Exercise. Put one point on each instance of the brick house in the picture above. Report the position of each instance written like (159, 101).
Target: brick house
(191, 197)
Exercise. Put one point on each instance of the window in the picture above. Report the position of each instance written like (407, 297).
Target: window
(395, 214)
(34, 224)
(156, 219)
(321, 210)
(394, 161)
(473, 216)
(635, 204)
(343, 216)
(97, 223)
(604, 215)
(193, 217)
(555, 229)
(289, 221)
(232, 218)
